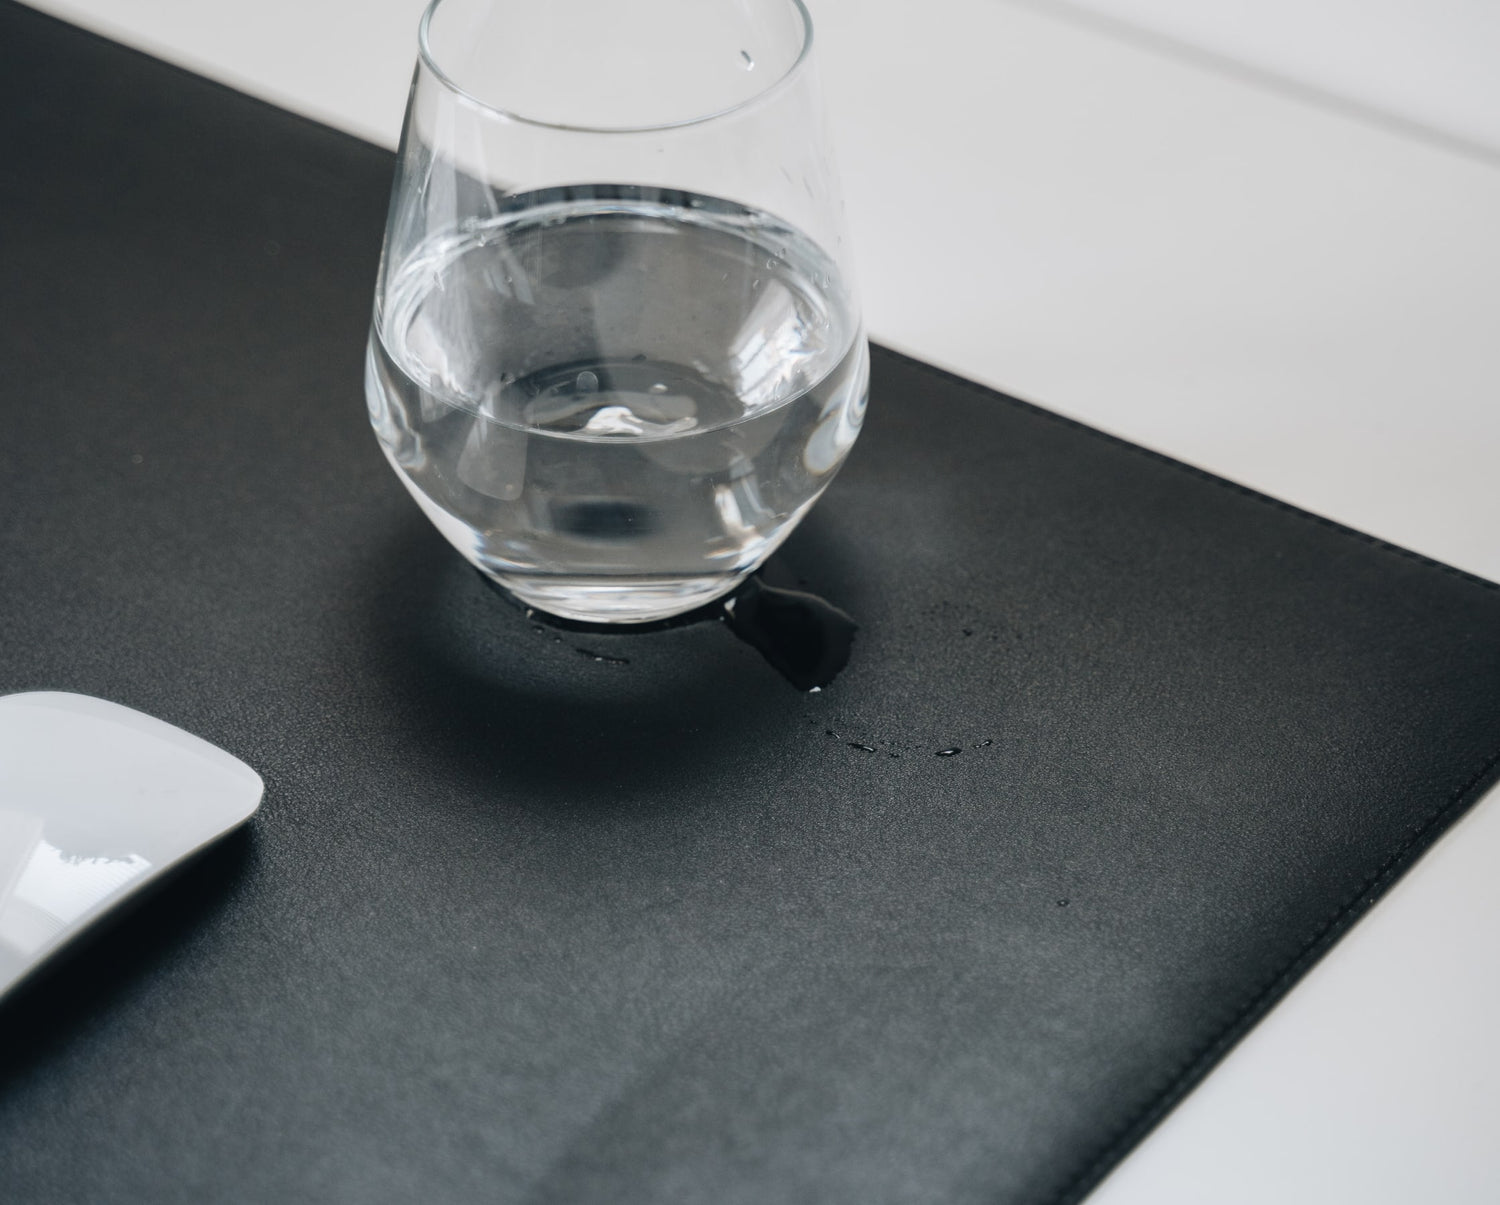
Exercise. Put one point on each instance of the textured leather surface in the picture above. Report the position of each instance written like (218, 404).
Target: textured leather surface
(519, 925)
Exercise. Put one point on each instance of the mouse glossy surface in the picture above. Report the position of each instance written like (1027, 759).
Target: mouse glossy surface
(96, 800)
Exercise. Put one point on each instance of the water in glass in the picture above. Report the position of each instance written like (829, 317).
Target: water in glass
(616, 400)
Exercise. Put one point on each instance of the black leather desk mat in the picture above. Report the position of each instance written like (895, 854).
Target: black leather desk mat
(515, 924)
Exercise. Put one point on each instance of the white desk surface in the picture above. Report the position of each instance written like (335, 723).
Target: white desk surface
(1282, 293)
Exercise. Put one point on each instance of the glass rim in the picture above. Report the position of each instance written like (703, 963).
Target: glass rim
(429, 61)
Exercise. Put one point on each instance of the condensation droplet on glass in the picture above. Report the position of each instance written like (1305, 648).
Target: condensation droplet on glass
(658, 388)
(587, 382)
(749, 62)
(755, 284)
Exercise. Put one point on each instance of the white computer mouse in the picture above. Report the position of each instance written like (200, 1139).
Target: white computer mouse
(96, 801)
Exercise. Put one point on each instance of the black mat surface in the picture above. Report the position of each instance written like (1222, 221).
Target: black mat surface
(519, 925)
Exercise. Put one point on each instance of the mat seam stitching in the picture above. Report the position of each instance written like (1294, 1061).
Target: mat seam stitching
(1226, 1035)
(1214, 1046)
(1190, 1070)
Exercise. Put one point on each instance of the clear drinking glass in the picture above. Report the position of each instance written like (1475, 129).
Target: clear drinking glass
(616, 353)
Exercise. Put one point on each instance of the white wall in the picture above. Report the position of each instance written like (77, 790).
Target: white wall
(1433, 63)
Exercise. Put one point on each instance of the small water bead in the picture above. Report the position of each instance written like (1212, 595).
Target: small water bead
(604, 658)
(659, 387)
(749, 62)
(947, 752)
(587, 382)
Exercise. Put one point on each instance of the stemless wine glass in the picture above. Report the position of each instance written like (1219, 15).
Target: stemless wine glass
(616, 353)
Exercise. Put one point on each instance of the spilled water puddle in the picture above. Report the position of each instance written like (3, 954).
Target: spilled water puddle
(806, 639)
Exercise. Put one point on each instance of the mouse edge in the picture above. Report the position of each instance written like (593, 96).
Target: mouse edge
(91, 706)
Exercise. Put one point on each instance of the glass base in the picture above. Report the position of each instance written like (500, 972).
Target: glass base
(617, 600)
